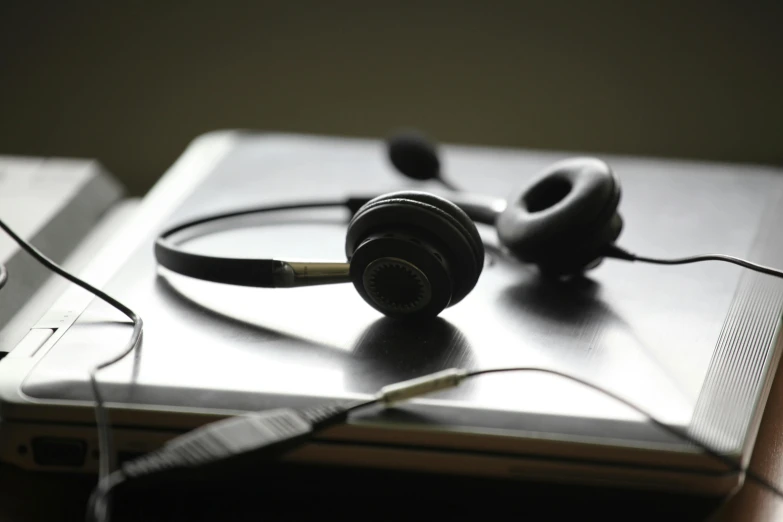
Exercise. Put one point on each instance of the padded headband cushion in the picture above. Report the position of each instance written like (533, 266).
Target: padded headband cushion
(436, 217)
(564, 211)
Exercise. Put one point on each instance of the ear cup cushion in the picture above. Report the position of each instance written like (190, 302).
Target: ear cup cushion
(437, 218)
(564, 211)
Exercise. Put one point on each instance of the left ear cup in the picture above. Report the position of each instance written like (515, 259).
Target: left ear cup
(564, 218)
(413, 253)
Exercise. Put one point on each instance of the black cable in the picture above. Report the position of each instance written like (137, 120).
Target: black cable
(619, 253)
(231, 445)
(262, 435)
(105, 445)
(362, 405)
(713, 257)
(449, 185)
(681, 434)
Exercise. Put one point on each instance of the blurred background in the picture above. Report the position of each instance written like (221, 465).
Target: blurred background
(132, 83)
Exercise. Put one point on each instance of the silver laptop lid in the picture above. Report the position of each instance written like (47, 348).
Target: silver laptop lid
(691, 344)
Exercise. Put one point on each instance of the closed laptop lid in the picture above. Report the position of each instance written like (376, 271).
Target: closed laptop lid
(691, 344)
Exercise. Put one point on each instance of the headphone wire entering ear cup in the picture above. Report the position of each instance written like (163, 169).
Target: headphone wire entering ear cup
(431, 219)
(564, 218)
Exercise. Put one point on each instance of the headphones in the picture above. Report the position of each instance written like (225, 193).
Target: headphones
(411, 254)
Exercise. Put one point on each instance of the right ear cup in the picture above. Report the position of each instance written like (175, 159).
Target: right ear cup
(413, 254)
(564, 219)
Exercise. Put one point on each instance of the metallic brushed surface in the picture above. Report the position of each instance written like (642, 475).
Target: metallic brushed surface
(675, 340)
(737, 372)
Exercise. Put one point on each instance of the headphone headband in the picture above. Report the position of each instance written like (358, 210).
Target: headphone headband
(273, 273)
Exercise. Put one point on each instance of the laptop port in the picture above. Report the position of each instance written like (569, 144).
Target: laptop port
(55, 451)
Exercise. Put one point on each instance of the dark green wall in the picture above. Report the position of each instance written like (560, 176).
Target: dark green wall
(132, 85)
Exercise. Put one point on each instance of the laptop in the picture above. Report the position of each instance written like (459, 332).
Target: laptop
(696, 346)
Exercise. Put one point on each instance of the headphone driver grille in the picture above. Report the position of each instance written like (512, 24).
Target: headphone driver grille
(396, 286)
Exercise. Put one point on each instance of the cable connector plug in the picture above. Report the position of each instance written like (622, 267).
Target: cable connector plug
(411, 388)
(235, 441)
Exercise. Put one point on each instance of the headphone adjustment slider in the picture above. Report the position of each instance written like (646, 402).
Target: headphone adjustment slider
(289, 274)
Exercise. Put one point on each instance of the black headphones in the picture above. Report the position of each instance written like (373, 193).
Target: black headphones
(412, 254)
